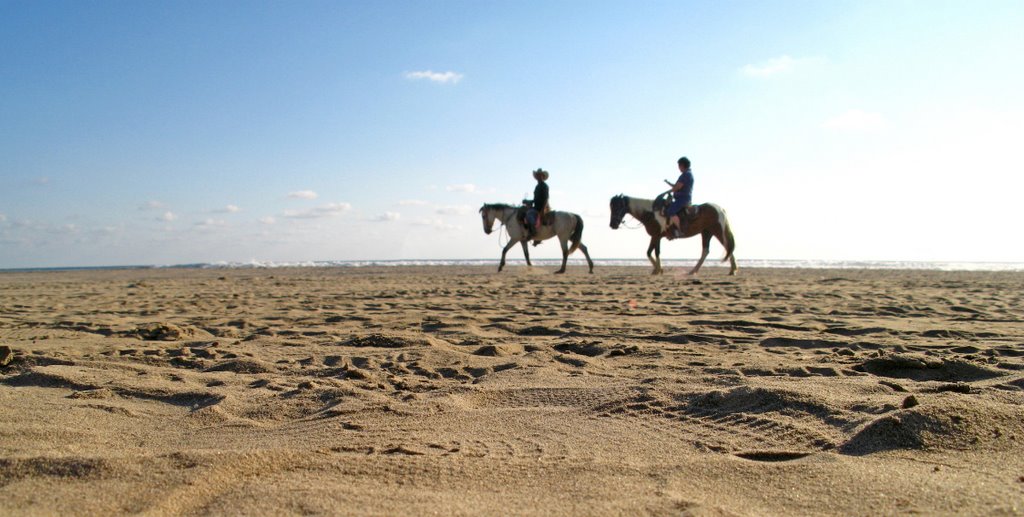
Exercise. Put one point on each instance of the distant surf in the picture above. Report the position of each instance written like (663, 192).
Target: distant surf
(756, 263)
(748, 263)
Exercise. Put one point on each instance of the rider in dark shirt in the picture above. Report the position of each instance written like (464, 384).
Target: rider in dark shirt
(539, 205)
(682, 199)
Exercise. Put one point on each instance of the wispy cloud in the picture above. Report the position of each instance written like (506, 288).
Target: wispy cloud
(328, 210)
(386, 217)
(232, 209)
(776, 65)
(151, 205)
(168, 216)
(855, 120)
(268, 220)
(454, 210)
(3, 218)
(209, 224)
(437, 224)
(412, 202)
(469, 188)
(437, 77)
(303, 194)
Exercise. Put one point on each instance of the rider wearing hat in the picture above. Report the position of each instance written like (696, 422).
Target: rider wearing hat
(539, 205)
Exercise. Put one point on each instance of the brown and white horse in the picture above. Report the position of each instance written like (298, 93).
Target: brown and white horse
(710, 221)
(567, 226)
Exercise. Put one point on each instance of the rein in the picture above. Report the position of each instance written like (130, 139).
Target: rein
(623, 224)
(504, 226)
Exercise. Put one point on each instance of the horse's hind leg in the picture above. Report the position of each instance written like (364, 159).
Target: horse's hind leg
(587, 254)
(565, 255)
(526, 253)
(706, 242)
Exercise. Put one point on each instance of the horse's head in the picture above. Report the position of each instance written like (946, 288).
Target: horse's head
(487, 215)
(620, 207)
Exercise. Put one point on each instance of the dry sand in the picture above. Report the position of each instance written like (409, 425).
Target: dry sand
(449, 390)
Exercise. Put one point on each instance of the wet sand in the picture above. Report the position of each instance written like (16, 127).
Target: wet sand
(459, 391)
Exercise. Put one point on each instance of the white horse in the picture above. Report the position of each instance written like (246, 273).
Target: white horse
(566, 226)
(710, 221)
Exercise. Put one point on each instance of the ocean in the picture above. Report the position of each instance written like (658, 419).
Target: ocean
(680, 263)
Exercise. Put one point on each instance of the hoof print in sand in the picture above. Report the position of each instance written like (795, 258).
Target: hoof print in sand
(772, 456)
(921, 368)
(169, 332)
(377, 341)
(6, 355)
(242, 366)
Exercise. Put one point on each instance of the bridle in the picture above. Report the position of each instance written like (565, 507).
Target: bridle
(625, 212)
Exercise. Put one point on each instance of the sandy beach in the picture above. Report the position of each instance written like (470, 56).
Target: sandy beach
(460, 391)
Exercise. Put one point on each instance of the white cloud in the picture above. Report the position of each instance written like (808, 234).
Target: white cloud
(387, 217)
(454, 210)
(412, 202)
(855, 120)
(152, 205)
(168, 216)
(776, 65)
(3, 218)
(437, 77)
(231, 209)
(437, 224)
(268, 220)
(211, 223)
(464, 187)
(328, 210)
(51, 229)
(303, 194)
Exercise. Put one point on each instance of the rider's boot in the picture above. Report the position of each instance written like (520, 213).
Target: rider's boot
(673, 232)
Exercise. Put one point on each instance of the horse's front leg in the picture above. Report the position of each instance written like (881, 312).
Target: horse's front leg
(655, 248)
(526, 253)
(503, 252)
(706, 243)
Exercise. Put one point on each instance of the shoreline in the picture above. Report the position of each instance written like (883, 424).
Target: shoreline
(768, 264)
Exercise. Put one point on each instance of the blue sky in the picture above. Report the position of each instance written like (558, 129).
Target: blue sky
(180, 132)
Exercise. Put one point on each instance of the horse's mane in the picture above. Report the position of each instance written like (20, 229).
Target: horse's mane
(497, 206)
(646, 204)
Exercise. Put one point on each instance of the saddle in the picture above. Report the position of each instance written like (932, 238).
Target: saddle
(663, 201)
(545, 220)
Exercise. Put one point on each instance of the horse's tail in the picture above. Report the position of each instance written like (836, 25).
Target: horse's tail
(727, 238)
(577, 234)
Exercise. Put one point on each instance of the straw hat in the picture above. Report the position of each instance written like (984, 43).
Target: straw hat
(540, 174)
